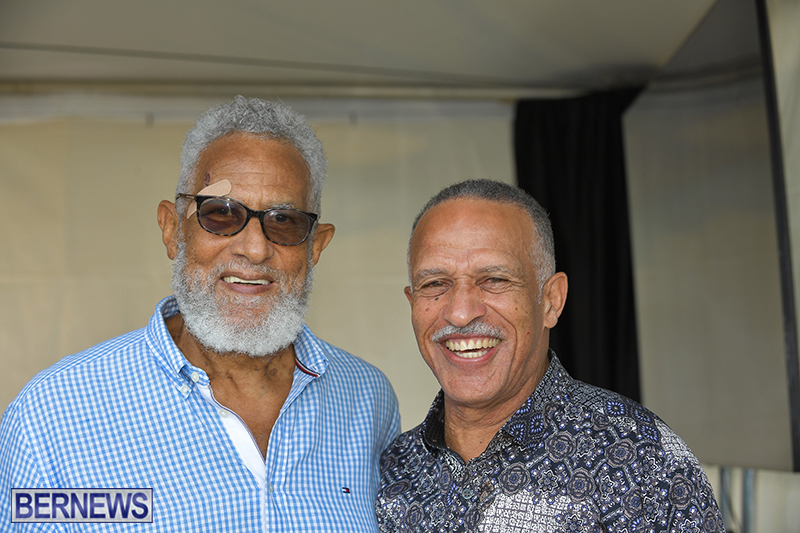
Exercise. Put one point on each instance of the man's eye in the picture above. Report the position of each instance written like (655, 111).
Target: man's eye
(285, 219)
(495, 283)
(216, 212)
(432, 287)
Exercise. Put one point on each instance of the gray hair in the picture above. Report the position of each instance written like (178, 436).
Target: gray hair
(542, 251)
(272, 120)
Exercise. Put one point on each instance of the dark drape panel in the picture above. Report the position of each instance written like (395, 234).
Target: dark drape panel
(569, 156)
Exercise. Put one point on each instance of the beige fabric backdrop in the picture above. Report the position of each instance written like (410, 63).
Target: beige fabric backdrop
(706, 272)
(82, 256)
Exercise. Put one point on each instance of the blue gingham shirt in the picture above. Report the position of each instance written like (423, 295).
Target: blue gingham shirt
(127, 413)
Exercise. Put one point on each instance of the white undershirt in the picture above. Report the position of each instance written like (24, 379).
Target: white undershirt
(240, 435)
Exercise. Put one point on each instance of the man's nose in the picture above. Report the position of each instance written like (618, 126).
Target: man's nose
(252, 243)
(464, 304)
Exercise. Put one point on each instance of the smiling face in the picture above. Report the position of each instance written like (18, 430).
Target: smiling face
(475, 307)
(241, 279)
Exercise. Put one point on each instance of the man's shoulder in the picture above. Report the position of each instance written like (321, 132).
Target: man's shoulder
(351, 384)
(598, 399)
(100, 362)
(343, 363)
(608, 409)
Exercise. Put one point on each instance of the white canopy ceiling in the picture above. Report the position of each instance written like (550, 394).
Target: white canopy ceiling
(341, 47)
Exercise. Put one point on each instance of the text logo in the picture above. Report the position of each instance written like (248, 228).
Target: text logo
(81, 505)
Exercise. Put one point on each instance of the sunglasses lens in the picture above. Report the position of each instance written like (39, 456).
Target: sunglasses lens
(224, 216)
(285, 226)
(221, 216)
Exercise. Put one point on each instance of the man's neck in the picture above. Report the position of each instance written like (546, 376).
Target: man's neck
(255, 388)
(468, 429)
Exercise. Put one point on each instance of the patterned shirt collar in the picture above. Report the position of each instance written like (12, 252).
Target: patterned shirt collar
(310, 357)
(433, 425)
(522, 424)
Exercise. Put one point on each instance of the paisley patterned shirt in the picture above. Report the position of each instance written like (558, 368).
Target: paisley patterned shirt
(573, 459)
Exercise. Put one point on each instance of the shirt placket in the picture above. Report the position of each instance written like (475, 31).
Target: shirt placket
(279, 457)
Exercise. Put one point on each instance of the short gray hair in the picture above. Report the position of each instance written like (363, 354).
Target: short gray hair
(542, 252)
(272, 120)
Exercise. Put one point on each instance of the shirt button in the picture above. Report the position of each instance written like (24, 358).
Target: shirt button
(223, 413)
(185, 389)
(195, 377)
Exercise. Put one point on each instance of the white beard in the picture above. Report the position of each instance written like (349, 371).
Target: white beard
(258, 335)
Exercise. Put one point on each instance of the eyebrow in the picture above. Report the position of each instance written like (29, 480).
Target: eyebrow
(490, 269)
(427, 272)
(497, 268)
(285, 205)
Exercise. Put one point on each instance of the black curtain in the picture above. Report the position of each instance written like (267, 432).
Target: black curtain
(569, 156)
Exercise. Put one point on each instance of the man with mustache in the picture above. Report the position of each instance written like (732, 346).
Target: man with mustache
(512, 442)
(226, 406)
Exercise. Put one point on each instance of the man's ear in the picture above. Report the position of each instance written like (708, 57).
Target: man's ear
(554, 296)
(322, 237)
(409, 293)
(169, 224)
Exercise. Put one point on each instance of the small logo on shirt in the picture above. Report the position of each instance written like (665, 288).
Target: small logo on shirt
(346, 490)
(81, 505)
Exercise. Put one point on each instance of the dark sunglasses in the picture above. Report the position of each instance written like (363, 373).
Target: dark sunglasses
(225, 216)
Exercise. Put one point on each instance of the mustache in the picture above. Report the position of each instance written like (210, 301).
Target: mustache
(242, 265)
(473, 328)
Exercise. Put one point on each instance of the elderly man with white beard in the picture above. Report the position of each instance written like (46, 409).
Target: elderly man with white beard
(225, 413)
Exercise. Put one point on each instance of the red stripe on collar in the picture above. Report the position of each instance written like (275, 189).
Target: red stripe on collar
(305, 370)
